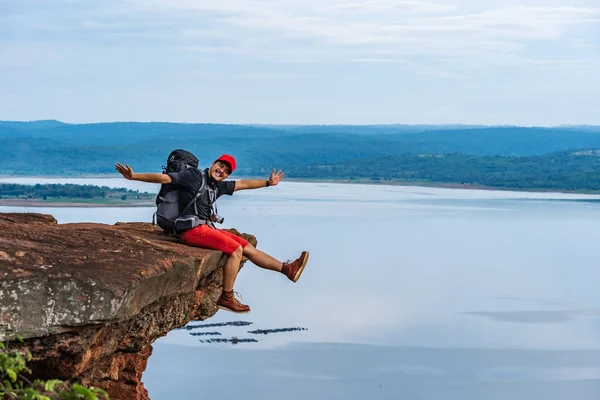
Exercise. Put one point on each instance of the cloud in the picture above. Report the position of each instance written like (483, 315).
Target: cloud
(446, 41)
(386, 19)
(374, 6)
(363, 29)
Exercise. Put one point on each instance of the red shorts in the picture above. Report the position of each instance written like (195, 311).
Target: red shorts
(211, 238)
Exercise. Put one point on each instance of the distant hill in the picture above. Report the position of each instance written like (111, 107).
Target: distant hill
(576, 171)
(368, 140)
(369, 129)
(323, 151)
(582, 128)
(41, 124)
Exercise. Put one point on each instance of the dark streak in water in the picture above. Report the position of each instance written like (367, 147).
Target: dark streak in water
(267, 331)
(232, 323)
(205, 333)
(233, 340)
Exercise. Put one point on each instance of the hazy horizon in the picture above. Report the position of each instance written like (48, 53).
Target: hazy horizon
(467, 125)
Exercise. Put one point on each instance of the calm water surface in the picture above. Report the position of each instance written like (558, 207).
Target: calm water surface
(413, 293)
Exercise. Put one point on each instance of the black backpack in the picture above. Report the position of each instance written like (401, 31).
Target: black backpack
(167, 200)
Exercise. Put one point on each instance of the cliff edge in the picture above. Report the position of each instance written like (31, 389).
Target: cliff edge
(89, 299)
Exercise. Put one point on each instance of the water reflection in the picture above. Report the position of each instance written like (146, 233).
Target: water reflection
(410, 292)
(535, 317)
(352, 371)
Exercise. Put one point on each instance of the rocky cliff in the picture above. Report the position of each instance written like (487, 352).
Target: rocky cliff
(90, 299)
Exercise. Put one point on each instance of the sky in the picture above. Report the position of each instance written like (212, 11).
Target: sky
(525, 62)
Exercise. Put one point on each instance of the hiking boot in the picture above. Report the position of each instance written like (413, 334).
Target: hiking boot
(228, 302)
(293, 269)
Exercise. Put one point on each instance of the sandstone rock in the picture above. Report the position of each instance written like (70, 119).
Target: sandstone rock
(91, 298)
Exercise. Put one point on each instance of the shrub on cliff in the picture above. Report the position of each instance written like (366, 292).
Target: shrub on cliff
(14, 385)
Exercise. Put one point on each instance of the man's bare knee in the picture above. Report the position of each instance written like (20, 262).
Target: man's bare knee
(238, 253)
(248, 250)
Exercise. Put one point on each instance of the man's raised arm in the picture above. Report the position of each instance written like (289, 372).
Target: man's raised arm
(259, 183)
(128, 174)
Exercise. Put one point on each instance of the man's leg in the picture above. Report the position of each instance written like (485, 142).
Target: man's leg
(292, 268)
(261, 258)
(210, 238)
(231, 269)
(257, 257)
(227, 300)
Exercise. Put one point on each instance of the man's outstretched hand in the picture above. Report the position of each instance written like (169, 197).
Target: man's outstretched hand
(275, 177)
(125, 170)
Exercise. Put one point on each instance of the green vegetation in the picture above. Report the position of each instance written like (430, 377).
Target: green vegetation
(15, 385)
(71, 192)
(560, 171)
(561, 158)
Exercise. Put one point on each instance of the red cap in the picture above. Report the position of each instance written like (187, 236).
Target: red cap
(229, 160)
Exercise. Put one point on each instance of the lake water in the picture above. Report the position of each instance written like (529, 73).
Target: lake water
(410, 292)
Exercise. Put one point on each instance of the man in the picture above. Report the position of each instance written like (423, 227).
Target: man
(206, 235)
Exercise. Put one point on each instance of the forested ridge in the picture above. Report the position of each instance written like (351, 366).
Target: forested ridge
(562, 158)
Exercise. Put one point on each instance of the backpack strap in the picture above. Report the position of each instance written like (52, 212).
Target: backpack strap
(212, 193)
(198, 194)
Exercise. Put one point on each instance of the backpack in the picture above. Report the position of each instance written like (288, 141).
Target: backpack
(167, 200)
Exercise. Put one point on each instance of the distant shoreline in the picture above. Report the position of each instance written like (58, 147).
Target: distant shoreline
(443, 185)
(90, 203)
(37, 203)
(359, 181)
